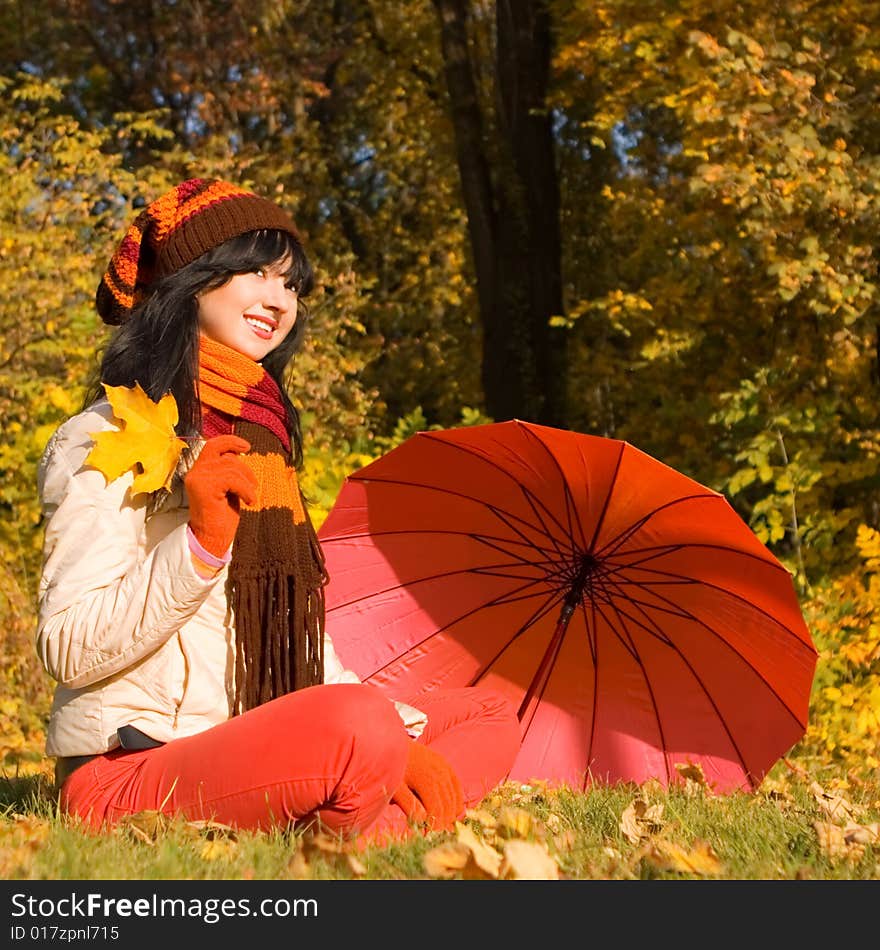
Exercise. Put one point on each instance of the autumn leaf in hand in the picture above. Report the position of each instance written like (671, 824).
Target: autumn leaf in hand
(144, 443)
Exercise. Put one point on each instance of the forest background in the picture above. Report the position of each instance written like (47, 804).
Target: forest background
(654, 221)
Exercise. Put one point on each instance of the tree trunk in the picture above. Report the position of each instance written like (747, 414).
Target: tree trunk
(512, 208)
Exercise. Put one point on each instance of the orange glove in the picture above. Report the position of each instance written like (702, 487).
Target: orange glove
(430, 791)
(215, 483)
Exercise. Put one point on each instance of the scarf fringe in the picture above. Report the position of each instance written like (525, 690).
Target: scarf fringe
(271, 659)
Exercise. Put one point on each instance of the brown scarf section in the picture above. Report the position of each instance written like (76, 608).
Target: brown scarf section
(277, 574)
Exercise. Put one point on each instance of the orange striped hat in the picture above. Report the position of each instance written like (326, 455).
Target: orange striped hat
(190, 219)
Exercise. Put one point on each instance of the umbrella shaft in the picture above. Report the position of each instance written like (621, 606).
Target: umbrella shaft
(539, 681)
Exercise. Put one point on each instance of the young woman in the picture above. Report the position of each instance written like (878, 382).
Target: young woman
(184, 628)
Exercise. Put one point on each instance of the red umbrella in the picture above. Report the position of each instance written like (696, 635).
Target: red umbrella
(627, 610)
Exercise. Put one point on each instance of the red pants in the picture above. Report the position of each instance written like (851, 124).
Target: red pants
(335, 753)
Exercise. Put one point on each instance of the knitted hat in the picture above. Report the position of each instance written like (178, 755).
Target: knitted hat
(173, 231)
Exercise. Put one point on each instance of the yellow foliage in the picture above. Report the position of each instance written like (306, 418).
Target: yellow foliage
(845, 712)
(719, 182)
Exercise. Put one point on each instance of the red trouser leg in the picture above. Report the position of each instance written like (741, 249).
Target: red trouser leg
(477, 731)
(332, 752)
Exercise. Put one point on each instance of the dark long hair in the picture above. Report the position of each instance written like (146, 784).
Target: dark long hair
(158, 346)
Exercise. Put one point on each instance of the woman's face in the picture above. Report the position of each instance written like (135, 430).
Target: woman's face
(251, 313)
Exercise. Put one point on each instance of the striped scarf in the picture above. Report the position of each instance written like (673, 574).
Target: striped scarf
(277, 572)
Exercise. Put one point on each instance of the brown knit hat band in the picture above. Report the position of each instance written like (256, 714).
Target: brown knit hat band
(180, 226)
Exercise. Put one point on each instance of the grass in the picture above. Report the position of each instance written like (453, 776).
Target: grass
(796, 826)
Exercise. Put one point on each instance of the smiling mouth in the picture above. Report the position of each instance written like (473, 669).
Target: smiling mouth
(260, 326)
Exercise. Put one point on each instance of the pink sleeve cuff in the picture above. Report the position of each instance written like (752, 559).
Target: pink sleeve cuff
(205, 556)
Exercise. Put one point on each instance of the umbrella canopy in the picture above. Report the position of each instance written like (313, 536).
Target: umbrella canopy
(630, 614)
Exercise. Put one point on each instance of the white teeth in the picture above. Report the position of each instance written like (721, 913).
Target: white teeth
(259, 324)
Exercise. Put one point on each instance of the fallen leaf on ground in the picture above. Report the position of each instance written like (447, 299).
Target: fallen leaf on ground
(483, 816)
(700, 859)
(324, 843)
(515, 822)
(798, 770)
(29, 828)
(565, 840)
(862, 834)
(652, 786)
(528, 861)
(212, 829)
(835, 806)
(640, 820)
(467, 856)
(694, 777)
(15, 862)
(20, 841)
(486, 858)
(145, 825)
(298, 866)
(832, 840)
(447, 859)
(776, 789)
(332, 849)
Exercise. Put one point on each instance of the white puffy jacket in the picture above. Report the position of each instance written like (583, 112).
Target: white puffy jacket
(128, 629)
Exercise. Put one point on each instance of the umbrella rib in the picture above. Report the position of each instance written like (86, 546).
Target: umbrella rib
(631, 648)
(492, 464)
(606, 501)
(662, 550)
(530, 499)
(486, 539)
(611, 546)
(508, 598)
(482, 538)
(683, 579)
(403, 585)
(498, 512)
(645, 554)
(593, 642)
(648, 624)
(709, 629)
(538, 614)
(570, 506)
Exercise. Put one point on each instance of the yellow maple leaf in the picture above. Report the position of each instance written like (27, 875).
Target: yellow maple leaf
(144, 443)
